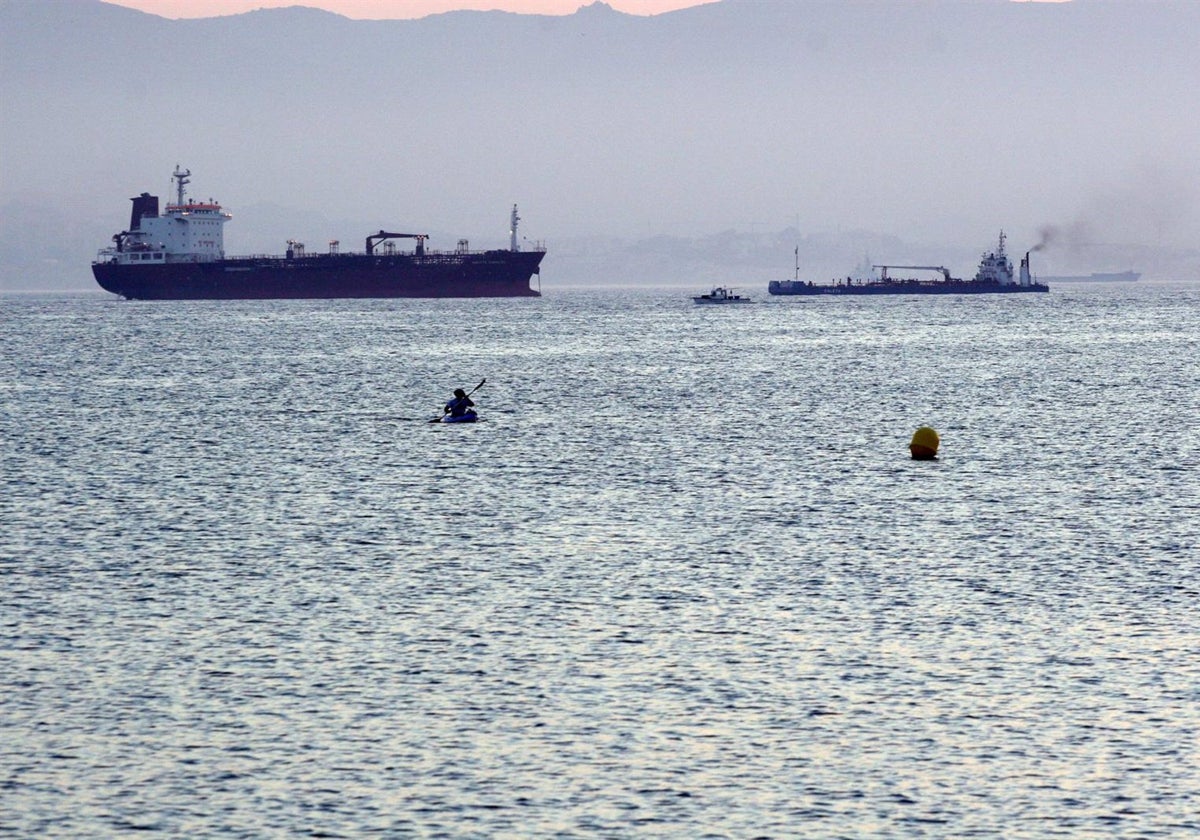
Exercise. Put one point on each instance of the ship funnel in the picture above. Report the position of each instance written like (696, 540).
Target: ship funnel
(1025, 278)
(144, 205)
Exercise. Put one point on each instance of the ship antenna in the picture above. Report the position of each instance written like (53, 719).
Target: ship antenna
(1001, 254)
(797, 262)
(512, 230)
(181, 177)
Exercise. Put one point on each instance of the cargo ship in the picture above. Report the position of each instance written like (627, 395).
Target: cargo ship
(995, 276)
(180, 255)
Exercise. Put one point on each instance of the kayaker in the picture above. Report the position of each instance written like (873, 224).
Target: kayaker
(458, 406)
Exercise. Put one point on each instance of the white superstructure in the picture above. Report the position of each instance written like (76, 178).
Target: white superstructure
(188, 231)
(996, 267)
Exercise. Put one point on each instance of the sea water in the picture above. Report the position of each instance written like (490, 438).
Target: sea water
(683, 581)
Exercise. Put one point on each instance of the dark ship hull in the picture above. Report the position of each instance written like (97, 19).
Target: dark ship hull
(429, 275)
(901, 287)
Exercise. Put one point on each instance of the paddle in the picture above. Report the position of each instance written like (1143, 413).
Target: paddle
(472, 391)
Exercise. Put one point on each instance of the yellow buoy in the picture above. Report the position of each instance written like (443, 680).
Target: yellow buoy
(924, 445)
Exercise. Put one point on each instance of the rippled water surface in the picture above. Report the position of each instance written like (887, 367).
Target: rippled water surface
(683, 582)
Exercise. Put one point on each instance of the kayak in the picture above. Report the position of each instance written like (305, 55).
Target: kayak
(467, 417)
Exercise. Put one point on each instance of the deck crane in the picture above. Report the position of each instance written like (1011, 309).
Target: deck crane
(884, 270)
(383, 234)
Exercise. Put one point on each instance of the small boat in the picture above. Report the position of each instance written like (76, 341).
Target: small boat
(721, 295)
(466, 417)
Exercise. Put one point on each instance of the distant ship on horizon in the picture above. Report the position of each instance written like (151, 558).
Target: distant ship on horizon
(1094, 277)
(995, 276)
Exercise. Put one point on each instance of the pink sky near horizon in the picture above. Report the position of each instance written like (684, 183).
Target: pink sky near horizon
(400, 9)
(396, 9)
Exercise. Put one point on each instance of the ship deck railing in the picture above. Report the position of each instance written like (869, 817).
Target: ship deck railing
(108, 255)
(341, 255)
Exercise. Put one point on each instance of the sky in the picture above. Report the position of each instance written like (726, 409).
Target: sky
(752, 117)
(396, 9)
(399, 9)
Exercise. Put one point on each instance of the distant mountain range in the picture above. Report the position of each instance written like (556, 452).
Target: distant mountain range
(694, 147)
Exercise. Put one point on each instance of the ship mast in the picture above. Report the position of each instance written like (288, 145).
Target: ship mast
(181, 178)
(512, 230)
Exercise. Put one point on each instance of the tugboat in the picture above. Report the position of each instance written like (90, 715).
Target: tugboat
(995, 276)
(720, 294)
(180, 255)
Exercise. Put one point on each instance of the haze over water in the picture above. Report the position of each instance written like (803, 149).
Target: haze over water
(704, 143)
(684, 581)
